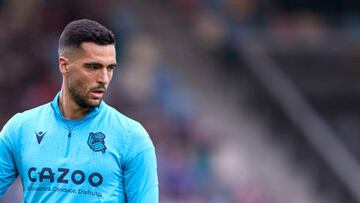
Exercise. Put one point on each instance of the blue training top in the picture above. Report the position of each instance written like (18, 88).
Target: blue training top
(103, 157)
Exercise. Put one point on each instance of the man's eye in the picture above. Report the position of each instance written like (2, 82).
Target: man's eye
(92, 66)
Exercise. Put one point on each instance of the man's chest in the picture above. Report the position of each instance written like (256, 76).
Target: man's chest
(88, 157)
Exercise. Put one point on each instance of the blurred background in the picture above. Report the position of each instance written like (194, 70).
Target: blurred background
(246, 101)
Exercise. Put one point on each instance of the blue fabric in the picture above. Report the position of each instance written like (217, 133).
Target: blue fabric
(103, 157)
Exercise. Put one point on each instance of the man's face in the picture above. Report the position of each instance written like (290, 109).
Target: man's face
(89, 73)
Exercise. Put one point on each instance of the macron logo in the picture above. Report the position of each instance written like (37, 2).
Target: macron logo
(39, 136)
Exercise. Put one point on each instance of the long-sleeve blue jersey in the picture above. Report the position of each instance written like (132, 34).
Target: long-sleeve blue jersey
(103, 157)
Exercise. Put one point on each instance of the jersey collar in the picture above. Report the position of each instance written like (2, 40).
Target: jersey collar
(92, 113)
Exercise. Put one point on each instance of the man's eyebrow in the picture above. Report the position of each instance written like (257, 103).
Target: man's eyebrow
(114, 65)
(93, 64)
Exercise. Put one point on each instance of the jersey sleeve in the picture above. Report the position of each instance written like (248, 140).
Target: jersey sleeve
(140, 170)
(8, 171)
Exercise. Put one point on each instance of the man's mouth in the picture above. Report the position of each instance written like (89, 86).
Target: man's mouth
(97, 93)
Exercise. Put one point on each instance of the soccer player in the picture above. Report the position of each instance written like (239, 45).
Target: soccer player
(77, 148)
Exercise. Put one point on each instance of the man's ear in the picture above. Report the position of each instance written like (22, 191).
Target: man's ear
(63, 65)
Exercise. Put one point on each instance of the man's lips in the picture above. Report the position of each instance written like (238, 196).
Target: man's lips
(97, 93)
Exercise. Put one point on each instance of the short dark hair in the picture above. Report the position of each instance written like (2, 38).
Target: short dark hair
(84, 30)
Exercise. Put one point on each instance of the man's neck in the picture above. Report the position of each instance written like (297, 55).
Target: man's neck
(69, 108)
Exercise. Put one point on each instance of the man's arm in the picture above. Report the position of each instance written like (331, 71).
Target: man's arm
(8, 172)
(140, 171)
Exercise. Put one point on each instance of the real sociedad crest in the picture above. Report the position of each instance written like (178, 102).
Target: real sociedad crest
(96, 142)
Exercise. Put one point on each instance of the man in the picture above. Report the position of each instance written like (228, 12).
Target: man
(77, 148)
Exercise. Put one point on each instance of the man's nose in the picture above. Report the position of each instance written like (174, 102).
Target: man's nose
(104, 76)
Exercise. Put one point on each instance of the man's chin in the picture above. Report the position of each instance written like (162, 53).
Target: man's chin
(95, 102)
(91, 103)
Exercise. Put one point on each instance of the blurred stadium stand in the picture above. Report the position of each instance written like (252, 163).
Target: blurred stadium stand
(249, 101)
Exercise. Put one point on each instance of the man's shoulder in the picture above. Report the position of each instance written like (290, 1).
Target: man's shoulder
(127, 124)
(27, 116)
(32, 114)
(120, 118)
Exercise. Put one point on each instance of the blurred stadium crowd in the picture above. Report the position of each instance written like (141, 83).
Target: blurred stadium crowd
(146, 88)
